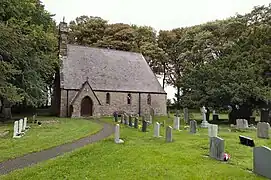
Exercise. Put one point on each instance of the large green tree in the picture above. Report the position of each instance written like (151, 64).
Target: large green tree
(28, 49)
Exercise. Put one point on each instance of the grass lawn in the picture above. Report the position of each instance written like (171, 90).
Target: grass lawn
(145, 157)
(48, 135)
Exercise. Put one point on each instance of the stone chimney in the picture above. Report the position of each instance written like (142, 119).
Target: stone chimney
(63, 38)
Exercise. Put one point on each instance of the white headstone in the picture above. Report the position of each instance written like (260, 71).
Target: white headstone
(117, 135)
(21, 126)
(212, 130)
(241, 124)
(263, 130)
(16, 130)
(25, 123)
(157, 129)
(204, 123)
(177, 123)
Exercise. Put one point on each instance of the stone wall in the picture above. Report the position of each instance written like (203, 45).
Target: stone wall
(118, 102)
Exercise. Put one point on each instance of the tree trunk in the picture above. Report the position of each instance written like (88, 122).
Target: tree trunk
(178, 98)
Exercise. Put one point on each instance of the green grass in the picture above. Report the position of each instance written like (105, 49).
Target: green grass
(45, 136)
(145, 157)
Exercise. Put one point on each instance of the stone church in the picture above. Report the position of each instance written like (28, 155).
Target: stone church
(95, 81)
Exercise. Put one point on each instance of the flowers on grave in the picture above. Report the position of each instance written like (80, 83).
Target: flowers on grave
(226, 157)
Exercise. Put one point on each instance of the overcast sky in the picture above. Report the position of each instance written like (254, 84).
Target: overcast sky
(160, 14)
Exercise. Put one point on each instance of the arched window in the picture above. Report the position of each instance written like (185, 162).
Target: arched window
(107, 98)
(149, 99)
(129, 99)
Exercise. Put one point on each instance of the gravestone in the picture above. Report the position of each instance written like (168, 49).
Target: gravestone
(263, 130)
(204, 123)
(157, 129)
(130, 121)
(136, 123)
(144, 126)
(241, 124)
(21, 126)
(116, 117)
(125, 119)
(186, 115)
(117, 135)
(176, 123)
(212, 130)
(169, 134)
(122, 119)
(25, 124)
(246, 141)
(216, 149)
(262, 161)
(16, 130)
(33, 118)
(264, 115)
(193, 126)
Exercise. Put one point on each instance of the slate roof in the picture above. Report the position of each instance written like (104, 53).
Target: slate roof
(109, 70)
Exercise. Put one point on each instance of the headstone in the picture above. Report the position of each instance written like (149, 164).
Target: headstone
(216, 148)
(204, 123)
(130, 121)
(178, 113)
(25, 124)
(252, 120)
(215, 117)
(176, 123)
(214, 112)
(262, 161)
(117, 135)
(186, 115)
(264, 115)
(144, 126)
(212, 130)
(241, 124)
(116, 116)
(21, 126)
(122, 119)
(157, 129)
(246, 141)
(33, 118)
(193, 126)
(169, 134)
(125, 119)
(168, 114)
(263, 130)
(16, 130)
(136, 123)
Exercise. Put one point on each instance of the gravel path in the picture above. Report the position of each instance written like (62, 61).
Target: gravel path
(34, 158)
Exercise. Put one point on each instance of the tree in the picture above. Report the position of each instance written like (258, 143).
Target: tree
(28, 45)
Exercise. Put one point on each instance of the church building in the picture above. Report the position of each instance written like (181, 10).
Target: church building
(95, 81)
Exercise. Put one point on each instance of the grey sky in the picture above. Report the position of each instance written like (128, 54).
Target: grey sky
(165, 15)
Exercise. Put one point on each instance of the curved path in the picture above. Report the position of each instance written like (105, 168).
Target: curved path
(34, 158)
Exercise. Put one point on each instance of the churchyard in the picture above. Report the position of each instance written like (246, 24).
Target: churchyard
(52, 132)
(172, 152)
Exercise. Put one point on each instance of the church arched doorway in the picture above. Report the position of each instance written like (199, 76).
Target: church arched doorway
(86, 107)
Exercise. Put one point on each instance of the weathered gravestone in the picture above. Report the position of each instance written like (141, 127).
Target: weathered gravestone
(169, 134)
(186, 115)
(125, 119)
(130, 121)
(25, 124)
(212, 130)
(33, 118)
(263, 130)
(122, 119)
(264, 115)
(136, 123)
(204, 123)
(215, 116)
(21, 126)
(16, 133)
(193, 126)
(116, 116)
(144, 126)
(241, 124)
(176, 123)
(157, 129)
(246, 141)
(117, 135)
(216, 148)
(262, 161)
